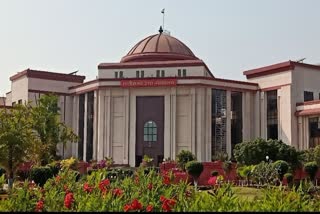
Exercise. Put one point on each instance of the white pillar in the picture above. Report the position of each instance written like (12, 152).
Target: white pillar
(101, 117)
(95, 125)
(126, 131)
(193, 120)
(75, 123)
(132, 139)
(85, 127)
(208, 117)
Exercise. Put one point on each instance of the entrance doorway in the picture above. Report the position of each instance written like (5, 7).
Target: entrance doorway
(150, 129)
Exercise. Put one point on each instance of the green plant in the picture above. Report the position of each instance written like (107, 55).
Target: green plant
(264, 173)
(194, 168)
(227, 166)
(281, 167)
(311, 168)
(40, 175)
(2, 181)
(184, 157)
(289, 177)
(253, 152)
(70, 163)
(220, 156)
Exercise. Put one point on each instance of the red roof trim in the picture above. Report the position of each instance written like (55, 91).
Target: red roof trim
(48, 92)
(271, 69)
(49, 76)
(154, 64)
(308, 112)
(313, 102)
(274, 87)
(277, 68)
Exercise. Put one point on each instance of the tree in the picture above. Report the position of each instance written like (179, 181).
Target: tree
(253, 152)
(46, 122)
(16, 136)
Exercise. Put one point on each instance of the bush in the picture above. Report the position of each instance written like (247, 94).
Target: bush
(40, 175)
(253, 152)
(281, 167)
(55, 167)
(289, 177)
(194, 168)
(245, 171)
(2, 171)
(311, 168)
(214, 173)
(220, 156)
(22, 174)
(264, 173)
(184, 157)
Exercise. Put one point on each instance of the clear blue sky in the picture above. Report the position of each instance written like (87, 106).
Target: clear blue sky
(229, 35)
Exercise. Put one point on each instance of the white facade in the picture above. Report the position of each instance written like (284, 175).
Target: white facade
(202, 113)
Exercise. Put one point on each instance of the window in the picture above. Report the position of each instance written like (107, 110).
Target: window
(272, 115)
(121, 74)
(13, 103)
(19, 101)
(158, 73)
(137, 74)
(150, 131)
(162, 73)
(184, 72)
(314, 132)
(179, 72)
(142, 74)
(116, 74)
(308, 96)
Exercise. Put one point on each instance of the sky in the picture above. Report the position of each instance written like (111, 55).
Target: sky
(230, 36)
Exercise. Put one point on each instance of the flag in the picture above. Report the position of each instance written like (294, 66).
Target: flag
(162, 11)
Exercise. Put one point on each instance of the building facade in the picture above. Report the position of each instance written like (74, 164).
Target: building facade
(161, 99)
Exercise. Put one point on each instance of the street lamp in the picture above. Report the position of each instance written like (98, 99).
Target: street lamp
(267, 158)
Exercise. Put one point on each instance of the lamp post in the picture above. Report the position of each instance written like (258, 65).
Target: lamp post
(267, 158)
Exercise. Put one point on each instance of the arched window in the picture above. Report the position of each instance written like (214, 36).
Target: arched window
(150, 131)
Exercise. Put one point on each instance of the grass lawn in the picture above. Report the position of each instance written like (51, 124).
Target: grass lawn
(247, 193)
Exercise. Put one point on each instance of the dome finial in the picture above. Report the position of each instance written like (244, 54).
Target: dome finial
(160, 30)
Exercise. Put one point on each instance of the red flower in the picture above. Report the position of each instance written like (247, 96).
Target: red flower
(150, 186)
(212, 180)
(167, 204)
(39, 206)
(87, 187)
(136, 205)
(117, 192)
(166, 180)
(136, 180)
(68, 200)
(58, 179)
(188, 193)
(103, 185)
(127, 207)
(149, 208)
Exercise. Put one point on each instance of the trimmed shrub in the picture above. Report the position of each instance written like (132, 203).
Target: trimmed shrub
(214, 173)
(289, 177)
(55, 167)
(40, 174)
(311, 168)
(281, 167)
(253, 152)
(194, 168)
(184, 157)
(2, 171)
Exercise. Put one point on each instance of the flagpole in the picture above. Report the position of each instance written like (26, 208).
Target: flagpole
(163, 19)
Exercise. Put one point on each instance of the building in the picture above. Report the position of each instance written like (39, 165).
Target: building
(161, 99)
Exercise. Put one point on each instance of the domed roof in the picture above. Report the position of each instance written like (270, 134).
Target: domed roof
(159, 47)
